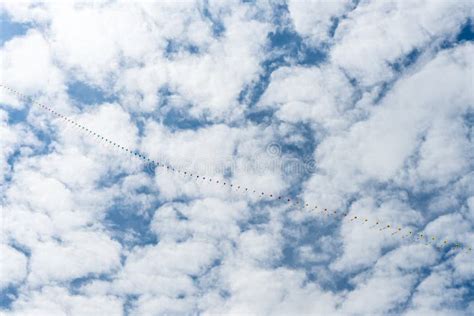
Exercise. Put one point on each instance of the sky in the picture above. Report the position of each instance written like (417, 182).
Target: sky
(364, 108)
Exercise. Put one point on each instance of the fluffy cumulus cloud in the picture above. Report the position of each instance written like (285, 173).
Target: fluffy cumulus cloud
(314, 157)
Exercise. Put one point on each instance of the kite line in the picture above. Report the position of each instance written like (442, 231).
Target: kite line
(406, 234)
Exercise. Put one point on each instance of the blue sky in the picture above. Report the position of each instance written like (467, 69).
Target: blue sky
(361, 107)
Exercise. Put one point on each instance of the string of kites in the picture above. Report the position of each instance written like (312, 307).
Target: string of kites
(395, 231)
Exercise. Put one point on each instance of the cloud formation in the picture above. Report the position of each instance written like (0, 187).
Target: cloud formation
(377, 95)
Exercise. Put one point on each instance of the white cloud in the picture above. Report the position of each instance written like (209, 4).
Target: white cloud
(261, 247)
(94, 50)
(382, 141)
(361, 300)
(82, 253)
(314, 19)
(363, 241)
(441, 167)
(320, 96)
(363, 49)
(166, 268)
(452, 227)
(12, 266)
(392, 280)
(436, 296)
(25, 11)
(13, 138)
(378, 148)
(30, 54)
(277, 292)
(118, 36)
(210, 152)
(162, 305)
(52, 300)
(214, 80)
(208, 219)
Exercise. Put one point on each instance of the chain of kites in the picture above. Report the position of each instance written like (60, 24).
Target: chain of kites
(404, 233)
